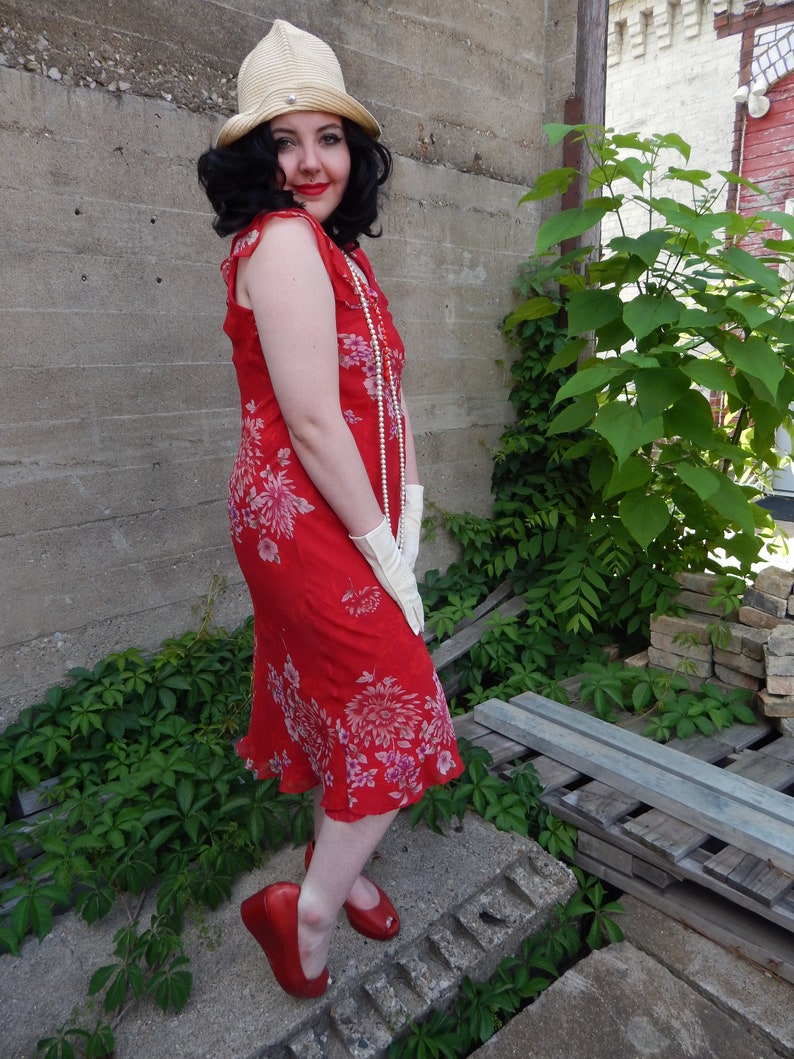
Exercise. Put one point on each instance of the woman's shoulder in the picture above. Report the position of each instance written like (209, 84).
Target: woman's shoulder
(247, 240)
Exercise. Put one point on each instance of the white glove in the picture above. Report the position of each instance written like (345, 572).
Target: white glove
(380, 550)
(412, 523)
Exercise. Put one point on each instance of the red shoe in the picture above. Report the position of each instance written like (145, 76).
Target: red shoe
(381, 923)
(272, 917)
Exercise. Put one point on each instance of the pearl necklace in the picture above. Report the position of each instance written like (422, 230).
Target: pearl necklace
(383, 373)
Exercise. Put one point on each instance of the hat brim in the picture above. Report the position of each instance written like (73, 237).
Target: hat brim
(326, 100)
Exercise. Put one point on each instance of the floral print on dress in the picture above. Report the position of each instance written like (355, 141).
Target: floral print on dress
(308, 725)
(264, 500)
(362, 601)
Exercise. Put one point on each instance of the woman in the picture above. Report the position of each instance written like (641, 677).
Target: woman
(325, 502)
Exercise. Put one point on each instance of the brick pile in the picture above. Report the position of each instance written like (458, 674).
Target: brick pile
(753, 649)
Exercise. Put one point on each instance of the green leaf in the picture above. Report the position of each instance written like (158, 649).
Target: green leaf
(556, 131)
(552, 182)
(647, 312)
(625, 429)
(658, 388)
(634, 474)
(531, 309)
(592, 376)
(731, 501)
(574, 417)
(711, 374)
(568, 224)
(675, 142)
(568, 355)
(698, 177)
(644, 516)
(691, 418)
(100, 978)
(758, 361)
(746, 266)
(702, 480)
(590, 309)
(646, 247)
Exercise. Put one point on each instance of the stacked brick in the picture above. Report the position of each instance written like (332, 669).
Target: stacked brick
(777, 698)
(753, 649)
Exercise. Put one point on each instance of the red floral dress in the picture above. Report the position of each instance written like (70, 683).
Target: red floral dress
(344, 693)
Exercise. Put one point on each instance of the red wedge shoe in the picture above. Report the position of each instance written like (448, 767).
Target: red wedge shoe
(272, 917)
(381, 923)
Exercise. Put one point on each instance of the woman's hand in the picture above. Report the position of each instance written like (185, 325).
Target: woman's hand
(412, 523)
(380, 550)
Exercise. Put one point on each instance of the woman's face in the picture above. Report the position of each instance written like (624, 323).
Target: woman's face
(314, 155)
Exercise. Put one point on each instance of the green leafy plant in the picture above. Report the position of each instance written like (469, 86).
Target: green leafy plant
(481, 1008)
(140, 791)
(668, 699)
(668, 316)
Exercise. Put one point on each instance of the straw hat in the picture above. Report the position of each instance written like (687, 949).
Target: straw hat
(291, 70)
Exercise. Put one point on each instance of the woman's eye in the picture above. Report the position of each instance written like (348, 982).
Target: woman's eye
(282, 143)
(332, 137)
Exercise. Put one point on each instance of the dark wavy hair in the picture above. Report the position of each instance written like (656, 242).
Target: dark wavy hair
(242, 180)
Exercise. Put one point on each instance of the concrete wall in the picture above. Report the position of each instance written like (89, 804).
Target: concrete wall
(118, 405)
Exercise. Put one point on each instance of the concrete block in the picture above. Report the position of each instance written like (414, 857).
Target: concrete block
(736, 679)
(776, 705)
(693, 626)
(780, 665)
(701, 583)
(637, 661)
(785, 725)
(764, 602)
(780, 641)
(758, 1001)
(754, 641)
(690, 667)
(752, 667)
(758, 619)
(775, 581)
(680, 645)
(701, 604)
(626, 1004)
(780, 685)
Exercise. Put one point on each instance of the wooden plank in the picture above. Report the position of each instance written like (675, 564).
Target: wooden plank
(749, 874)
(592, 846)
(657, 755)
(665, 834)
(602, 803)
(554, 774)
(656, 876)
(501, 749)
(689, 868)
(644, 751)
(462, 642)
(782, 748)
(736, 810)
(703, 747)
(767, 769)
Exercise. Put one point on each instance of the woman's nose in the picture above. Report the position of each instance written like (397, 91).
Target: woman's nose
(309, 160)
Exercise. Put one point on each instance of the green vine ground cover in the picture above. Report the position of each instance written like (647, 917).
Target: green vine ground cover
(146, 795)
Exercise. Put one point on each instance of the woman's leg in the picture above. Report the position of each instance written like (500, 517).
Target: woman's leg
(340, 852)
(362, 893)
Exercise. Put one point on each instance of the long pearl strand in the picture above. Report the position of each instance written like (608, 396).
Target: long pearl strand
(383, 372)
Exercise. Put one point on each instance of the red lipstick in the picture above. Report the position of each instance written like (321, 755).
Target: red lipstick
(310, 190)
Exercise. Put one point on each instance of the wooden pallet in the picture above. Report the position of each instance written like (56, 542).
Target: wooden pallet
(709, 818)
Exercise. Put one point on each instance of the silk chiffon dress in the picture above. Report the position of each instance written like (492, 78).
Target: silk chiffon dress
(344, 693)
